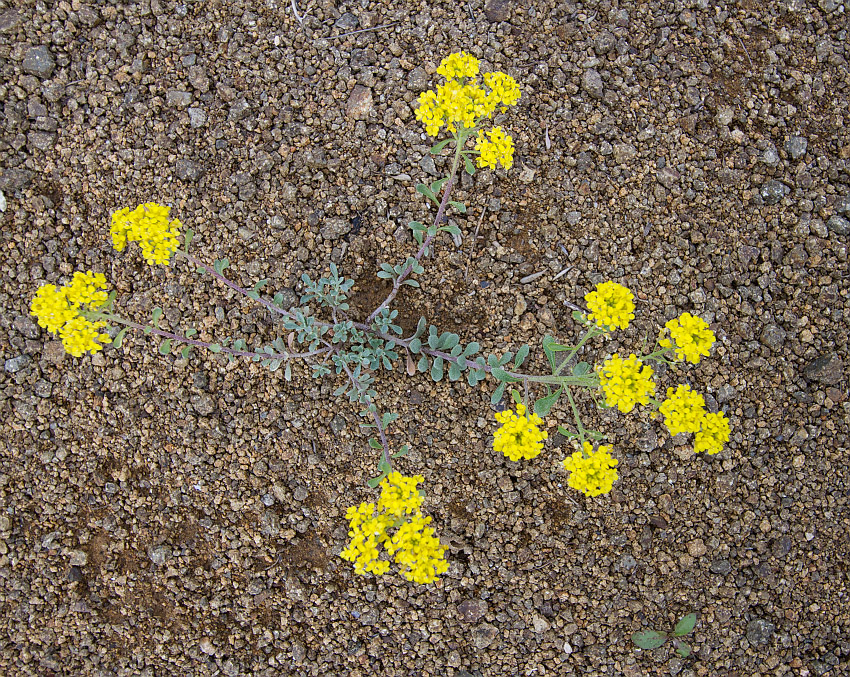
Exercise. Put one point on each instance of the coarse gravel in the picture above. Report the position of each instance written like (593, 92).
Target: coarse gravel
(165, 516)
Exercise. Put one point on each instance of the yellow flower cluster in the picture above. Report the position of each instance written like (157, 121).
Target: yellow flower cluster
(58, 310)
(626, 382)
(414, 545)
(498, 149)
(458, 65)
(713, 434)
(461, 102)
(611, 305)
(691, 335)
(149, 225)
(684, 412)
(592, 472)
(519, 436)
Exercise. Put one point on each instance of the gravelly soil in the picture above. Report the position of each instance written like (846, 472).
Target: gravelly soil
(167, 516)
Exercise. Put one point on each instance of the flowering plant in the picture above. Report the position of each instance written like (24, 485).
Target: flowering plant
(322, 334)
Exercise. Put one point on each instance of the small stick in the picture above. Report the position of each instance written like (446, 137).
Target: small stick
(295, 12)
(746, 52)
(363, 30)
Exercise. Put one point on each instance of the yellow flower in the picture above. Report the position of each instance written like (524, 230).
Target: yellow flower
(149, 225)
(611, 305)
(50, 306)
(462, 103)
(58, 310)
(519, 436)
(591, 472)
(429, 113)
(80, 335)
(87, 289)
(499, 148)
(683, 410)
(503, 89)
(415, 547)
(458, 65)
(691, 336)
(368, 531)
(626, 382)
(714, 434)
(399, 495)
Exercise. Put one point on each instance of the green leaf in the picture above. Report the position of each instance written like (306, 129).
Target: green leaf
(685, 625)
(185, 352)
(165, 347)
(191, 332)
(649, 639)
(496, 397)
(437, 186)
(521, 354)
(401, 452)
(452, 229)
(426, 191)
(423, 364)
(471, 349)
(683, 650)
(188, 234)
(384, 467)
(454, 372)
(581, 369)
(221, 265)
(437, 369)
(412, 283)
(567, 433)
(459, 206)
(375, 481)
(437, 147)
(116, 343)
(155, 315)
(468, 166)
(388, 418)
(448, 341)
(260, 284)
(472, 378)
(384, 275)
(215, 348)
(420, 327)
(373, 442)
(147, 330)
(579, 317)
(287, 373)
(515, 396)
(502, 375)
(415, 346)
(544, 405)
(253, 295)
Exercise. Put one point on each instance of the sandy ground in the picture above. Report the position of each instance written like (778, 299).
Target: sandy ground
(164, 516)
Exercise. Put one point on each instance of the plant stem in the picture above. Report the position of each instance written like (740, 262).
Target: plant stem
(427, 243)
(117, 319)
(579, 425)
(589, 334)
(378, 424)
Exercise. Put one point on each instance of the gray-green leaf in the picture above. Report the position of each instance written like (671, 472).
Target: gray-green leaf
(545, 404)
(119, 338)
(165, 347)
(581, 369)
(496, 397)
(685, 625)
(649, 639)
(521, 354)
